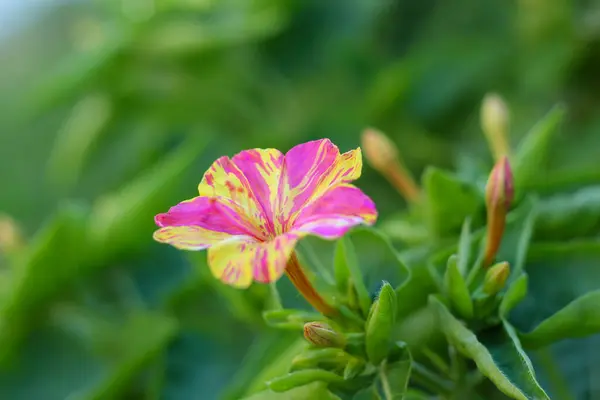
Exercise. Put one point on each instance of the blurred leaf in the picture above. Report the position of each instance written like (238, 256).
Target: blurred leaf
(464, 247)
(301, 378)
(75, 140)
(62, 246)
(516, 292)
(320, 358)
(290, 319)
(346, 255)
(517, 236)
(311, 391)
(395, 374)
(456, 289)
(138, 341)
(497, 353)
(532, 151)
(565, 216)
(449, 201)
(579, 318)
(118, 219)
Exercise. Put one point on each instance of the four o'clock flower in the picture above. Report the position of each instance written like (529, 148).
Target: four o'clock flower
(253, 208)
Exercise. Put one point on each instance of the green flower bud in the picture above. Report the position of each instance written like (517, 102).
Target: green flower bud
(322, 335)
(380, 324)
(495, 278)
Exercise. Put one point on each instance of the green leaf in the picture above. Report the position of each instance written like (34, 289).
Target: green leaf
(276, 367)
(534, 147)
(569, 215)
(518, 235)
(60, 245)
(380, 324)
(497, 353)
(301, 378)
(395, 374)
(456, 289)
(313, 358)
(369, 393)
(449, 201)
(118, 220)
(345, 254)
(514, 295)
(464, 247)
(133, 345)
(316, 390)
(578, 319)
(290, 319)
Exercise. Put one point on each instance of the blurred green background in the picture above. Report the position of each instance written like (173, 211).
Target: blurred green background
(111, 111)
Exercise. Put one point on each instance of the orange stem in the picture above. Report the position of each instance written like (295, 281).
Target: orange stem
(296, 274)
(403, 182)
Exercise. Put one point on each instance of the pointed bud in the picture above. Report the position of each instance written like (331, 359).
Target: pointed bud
(383, 155)
(380, 324)
(499, 194)
(495, 124)
(11, 238)
(495, 278)
(322, 335)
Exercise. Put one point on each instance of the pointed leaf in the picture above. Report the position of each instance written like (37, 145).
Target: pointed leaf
(578, 319)
(456, 289)
(449, 201)
(533, 149)
(345, 254)
(395, 374)
(464, 247)
(497, 353)
(514, 295)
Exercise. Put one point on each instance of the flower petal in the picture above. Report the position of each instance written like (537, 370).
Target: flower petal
(333, 214)
(201, 222)
(262, 169)
(313, 168)
(250, 179)
(237, 262)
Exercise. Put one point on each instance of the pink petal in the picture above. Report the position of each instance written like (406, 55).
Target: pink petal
(333, 214)
(250, 180)
(238, 262)
(311, 169)
(262, 169)
(202, 222)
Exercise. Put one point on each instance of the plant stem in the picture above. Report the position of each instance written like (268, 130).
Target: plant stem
(385, 384)
(430, 380)
(296, 274)
(275, 296)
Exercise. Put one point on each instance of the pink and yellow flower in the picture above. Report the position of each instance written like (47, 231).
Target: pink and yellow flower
(253, 208)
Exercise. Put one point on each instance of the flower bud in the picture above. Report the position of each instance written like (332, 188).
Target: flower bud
(379, 150)
(494, 123)
(380, 324)
(495, 278)
(499, 194)
(322, 335)
(383, 155)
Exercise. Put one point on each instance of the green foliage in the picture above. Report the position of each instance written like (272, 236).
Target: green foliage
(111, 111)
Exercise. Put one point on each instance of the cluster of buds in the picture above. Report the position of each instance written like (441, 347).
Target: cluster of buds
(383, 155)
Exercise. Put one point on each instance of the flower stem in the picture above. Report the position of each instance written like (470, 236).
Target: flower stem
(403, 182)
(296, 274)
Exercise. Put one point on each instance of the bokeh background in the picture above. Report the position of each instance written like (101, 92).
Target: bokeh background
(111, 110)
